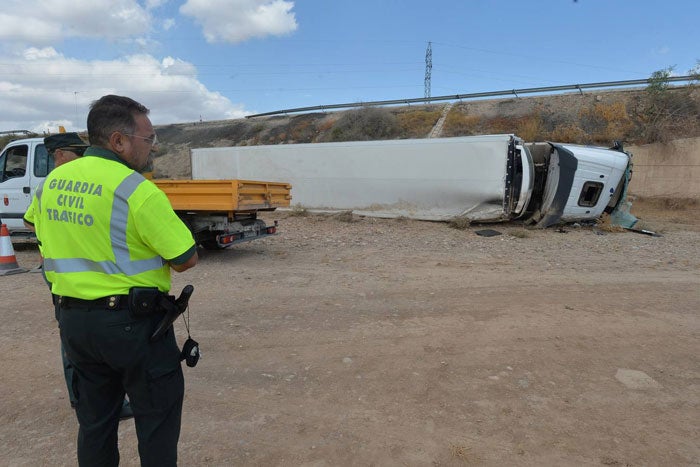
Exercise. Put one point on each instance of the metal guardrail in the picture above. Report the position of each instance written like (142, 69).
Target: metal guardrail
(509, 92)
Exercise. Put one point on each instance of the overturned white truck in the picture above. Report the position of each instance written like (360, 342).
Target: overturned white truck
(481, 178)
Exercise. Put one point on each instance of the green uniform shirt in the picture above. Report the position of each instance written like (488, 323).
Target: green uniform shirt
(104, 228)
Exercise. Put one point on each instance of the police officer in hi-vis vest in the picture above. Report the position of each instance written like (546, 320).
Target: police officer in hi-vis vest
(109, 239)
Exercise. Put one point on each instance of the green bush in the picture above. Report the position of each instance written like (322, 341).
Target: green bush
(668, 112)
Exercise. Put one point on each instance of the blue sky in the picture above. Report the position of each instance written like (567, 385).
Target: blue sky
(217, 59)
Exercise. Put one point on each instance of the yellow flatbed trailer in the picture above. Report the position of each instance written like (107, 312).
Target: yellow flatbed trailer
(225, 195)
(221, 213)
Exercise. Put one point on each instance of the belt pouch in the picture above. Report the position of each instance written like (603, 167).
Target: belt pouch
(143, 300)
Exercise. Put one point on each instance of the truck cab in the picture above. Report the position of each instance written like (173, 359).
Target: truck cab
(581, 183)
(23, 164)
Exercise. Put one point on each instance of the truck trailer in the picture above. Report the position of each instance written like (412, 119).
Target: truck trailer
(219, 213)
(489, 178)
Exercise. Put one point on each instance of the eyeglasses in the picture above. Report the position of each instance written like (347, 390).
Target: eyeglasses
(153, 140)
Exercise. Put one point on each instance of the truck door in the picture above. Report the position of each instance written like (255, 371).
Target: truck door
(20, 171)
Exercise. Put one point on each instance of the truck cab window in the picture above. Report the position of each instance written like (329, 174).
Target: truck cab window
(590, 193)
(43, 161)
(13, 162)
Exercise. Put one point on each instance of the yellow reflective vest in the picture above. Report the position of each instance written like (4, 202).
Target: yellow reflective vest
(104, 228)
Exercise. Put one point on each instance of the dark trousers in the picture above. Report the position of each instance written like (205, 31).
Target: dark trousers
(68, 374)
(111, 354)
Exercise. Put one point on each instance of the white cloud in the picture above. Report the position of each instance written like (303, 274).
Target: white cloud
(33, 53)
(44, 22)
(42, 89)
(239, 20)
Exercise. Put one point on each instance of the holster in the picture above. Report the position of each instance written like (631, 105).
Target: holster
(173, 308)
(144, 301)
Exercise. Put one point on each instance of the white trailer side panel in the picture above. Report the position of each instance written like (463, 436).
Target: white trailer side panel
(430, 179)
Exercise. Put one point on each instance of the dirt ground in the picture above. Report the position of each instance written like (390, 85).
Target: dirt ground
(393, 342)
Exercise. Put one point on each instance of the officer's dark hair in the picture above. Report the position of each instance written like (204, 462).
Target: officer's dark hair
(109, 114)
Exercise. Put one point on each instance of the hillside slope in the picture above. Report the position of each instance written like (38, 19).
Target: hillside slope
(633, 116)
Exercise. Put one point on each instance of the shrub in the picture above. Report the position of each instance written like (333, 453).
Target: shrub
(606, 122)
(669, 111)
(500, 125)
(303, 132)
(419, 123)
(303, 128)
(530, 127)
(326, 124)
(569, 133)
(365, 124)
(459, 124)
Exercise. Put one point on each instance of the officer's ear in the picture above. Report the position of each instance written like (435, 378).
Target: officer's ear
(119, 142)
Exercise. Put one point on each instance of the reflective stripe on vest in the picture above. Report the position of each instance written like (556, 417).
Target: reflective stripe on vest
(122, 263)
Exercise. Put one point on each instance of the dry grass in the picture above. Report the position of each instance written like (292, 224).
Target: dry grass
(605, 122)
(459, 223)
(419, 123)
(520, 233)
(531, 127)
(345, 216)
(298, 211)
(604, 224)
(458, 124)
(568, 132)
(460, 451)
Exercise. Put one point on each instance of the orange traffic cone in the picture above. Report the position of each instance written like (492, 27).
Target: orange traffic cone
(8, 262)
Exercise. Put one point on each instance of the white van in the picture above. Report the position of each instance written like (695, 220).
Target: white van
(23, 164)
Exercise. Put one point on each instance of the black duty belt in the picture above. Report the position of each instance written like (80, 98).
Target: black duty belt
(113, 302)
